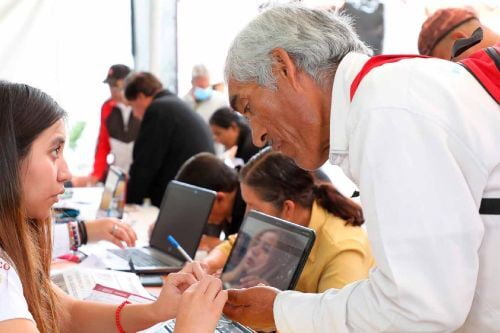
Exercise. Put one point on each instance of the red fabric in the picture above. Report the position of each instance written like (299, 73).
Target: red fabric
(103, 146)
(485, 71)
(375, 62)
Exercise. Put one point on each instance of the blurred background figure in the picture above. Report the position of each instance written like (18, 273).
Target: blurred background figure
(207, 171)
(202, 97)
(171, 132)
(118, 130)
(230, 129)
(443, 28)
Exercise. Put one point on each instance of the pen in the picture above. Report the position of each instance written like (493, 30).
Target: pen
(174, 243)
(131, 264)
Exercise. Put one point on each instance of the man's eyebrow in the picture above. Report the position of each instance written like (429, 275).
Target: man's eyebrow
(234, 102)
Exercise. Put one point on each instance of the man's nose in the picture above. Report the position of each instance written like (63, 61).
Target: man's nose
(259, 135)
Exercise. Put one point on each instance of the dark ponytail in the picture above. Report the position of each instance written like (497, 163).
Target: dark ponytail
(276, 178)
(328, 197)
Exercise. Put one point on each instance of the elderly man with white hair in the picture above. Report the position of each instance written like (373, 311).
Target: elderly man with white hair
(202, 98)
(421, 139)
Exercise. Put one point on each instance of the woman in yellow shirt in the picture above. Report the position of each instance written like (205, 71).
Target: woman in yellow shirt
(273, 184)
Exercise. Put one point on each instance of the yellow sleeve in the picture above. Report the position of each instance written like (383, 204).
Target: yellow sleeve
(349, 265)
(227, 245)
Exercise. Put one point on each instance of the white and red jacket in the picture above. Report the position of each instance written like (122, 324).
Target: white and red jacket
(421, 139)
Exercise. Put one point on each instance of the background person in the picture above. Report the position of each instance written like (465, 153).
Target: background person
(230, 129)
(118, 130)
(442, 29)
(207, 171)
(419, 137)
(170, 133)
(202, 97)
(273, 184)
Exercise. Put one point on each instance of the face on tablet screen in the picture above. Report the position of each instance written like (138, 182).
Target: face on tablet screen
(263, 254)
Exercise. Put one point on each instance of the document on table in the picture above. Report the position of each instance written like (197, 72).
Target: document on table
(80, 282)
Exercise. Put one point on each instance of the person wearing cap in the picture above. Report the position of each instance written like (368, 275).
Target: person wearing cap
(202, 97)
(118, 130)
(420, 137)
(443, 28)
(171, 132)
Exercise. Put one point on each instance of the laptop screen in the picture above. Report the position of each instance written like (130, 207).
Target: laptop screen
(114, 188)
(269, 251)
(183, 214)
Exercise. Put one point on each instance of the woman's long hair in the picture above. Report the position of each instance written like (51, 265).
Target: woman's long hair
(25, 112)
(276, 178)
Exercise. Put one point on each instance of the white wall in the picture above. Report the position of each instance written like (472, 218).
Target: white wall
(65, 47)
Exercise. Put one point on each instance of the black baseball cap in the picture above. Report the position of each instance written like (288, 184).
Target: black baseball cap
(117, 72)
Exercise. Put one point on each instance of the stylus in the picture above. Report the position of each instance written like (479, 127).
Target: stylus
(174, 243)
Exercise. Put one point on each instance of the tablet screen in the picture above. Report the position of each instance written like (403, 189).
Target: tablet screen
(267, 253)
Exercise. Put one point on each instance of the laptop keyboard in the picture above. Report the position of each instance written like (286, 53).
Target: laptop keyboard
(139, 258)
(224, 325)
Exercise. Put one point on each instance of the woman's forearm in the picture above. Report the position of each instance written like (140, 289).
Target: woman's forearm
(99, 317)
(83, 316)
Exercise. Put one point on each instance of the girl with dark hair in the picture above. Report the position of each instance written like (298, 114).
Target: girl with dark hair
(32, 174)
(230, 129)
(273, 184)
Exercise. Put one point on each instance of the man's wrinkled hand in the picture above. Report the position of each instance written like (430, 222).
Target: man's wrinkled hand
(252, 307)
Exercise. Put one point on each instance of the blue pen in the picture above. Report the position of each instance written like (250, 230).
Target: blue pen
(174, 243)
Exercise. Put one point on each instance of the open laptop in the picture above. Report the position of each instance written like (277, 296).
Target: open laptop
(183, 214)
(113, 196)
(268, 250)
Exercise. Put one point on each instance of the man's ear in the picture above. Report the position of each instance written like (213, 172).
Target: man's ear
(457, 34)
(283, 66)
(288, 210)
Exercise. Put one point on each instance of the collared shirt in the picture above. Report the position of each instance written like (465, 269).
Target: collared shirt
(341, 253)
(421, 139)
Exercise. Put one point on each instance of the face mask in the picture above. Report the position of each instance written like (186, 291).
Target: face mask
(201, 94)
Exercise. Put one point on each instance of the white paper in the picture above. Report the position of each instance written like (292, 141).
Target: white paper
(79, 282)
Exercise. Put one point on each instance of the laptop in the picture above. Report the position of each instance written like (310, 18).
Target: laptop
(113, 196)
(268, 250)
(183, 214)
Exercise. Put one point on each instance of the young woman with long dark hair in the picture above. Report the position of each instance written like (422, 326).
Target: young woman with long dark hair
(32, 174)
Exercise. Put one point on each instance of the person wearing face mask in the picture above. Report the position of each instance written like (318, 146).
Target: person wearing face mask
(202, 98)
(118, 131)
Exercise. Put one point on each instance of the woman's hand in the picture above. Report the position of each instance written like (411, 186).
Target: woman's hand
(202, 301)
(110, 229)
(167, 304)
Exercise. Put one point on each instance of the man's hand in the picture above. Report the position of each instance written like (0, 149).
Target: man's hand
(252, 307)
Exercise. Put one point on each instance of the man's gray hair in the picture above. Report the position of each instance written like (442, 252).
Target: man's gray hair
(199, 70)
(315, 39)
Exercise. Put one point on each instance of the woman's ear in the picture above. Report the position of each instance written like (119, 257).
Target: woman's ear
(288, 210)
(283, 67)
(220, 196)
